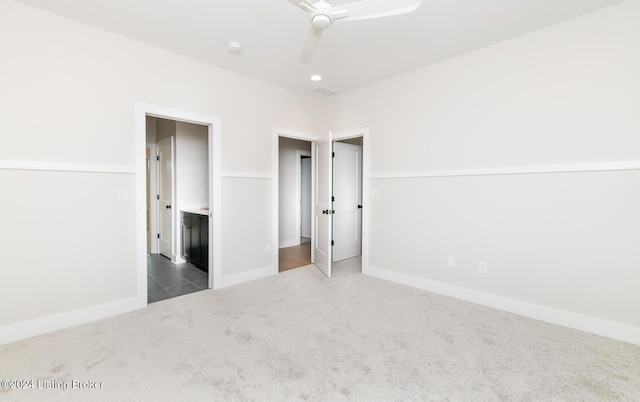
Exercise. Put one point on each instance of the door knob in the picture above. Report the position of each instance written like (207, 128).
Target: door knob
(168, 206)
(325, 212)
(359, 206)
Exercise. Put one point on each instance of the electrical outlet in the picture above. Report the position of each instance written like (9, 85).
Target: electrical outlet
(483, 267)
(452, 262)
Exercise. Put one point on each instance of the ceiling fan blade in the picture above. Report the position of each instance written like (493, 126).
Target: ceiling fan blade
(310, 45)
(305, 5)
(366, 9)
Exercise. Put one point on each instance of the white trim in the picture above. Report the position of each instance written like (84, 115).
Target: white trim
(56, 322)
(246, 175)
(298, 135)
(289, 243)
(235, 279)
(215, 198)
(275, 160)
(621, 332)
(349, 134)
(140, 111)
(509, 170)
(66, 167)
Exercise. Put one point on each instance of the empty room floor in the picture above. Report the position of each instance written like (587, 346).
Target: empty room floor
(302, 336)
(166, 279)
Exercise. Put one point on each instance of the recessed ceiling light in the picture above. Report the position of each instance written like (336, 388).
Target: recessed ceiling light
(234, 47)
(316, 77)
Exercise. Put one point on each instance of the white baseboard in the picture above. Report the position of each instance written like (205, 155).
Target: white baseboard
(597, 326)
(289, 243)
(235, 279)
(57, 322)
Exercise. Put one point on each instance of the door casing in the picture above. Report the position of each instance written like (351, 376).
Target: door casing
(142, 110)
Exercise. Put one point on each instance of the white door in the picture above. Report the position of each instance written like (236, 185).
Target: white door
(165, 196)
(347, 203)
(305, 197)
(322, 203)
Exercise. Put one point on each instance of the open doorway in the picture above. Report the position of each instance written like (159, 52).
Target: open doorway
(322, 210)
(177, 208)
(341, 192)
(294, 203)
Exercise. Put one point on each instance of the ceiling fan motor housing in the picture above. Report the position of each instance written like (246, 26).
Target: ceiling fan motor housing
(321, 21)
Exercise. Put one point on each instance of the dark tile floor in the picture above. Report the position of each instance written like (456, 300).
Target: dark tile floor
(166, 279)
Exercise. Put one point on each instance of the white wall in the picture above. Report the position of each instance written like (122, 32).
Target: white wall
(58, 79)
(62, 241)
(165, 128)
(151, 126)
(192, 165)
(556, 243)
(289, 201)
(191, 174)
(192, 159)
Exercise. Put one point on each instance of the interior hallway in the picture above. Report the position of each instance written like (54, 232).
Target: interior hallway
(296, 256)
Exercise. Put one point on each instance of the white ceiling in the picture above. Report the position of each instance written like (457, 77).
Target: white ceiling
(351, 54)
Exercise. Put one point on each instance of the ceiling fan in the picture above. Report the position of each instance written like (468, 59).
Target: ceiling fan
(323, 14)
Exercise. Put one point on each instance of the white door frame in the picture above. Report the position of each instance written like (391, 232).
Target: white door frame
(142, 110)
(337, 136)
(275, 159)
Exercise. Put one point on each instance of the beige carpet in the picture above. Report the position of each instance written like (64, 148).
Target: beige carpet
(299, 336)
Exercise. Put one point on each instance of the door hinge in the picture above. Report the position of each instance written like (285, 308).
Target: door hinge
(158, 197)
(158, 235)
(333, 199)
(333, 154)
(332, 242)
(158, 158)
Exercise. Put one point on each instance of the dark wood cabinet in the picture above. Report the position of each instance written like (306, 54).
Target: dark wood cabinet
(195, 239)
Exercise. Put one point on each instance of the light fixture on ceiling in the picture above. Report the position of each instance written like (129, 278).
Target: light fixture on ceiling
(316, 77)
(323, 15)
(234, 47)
